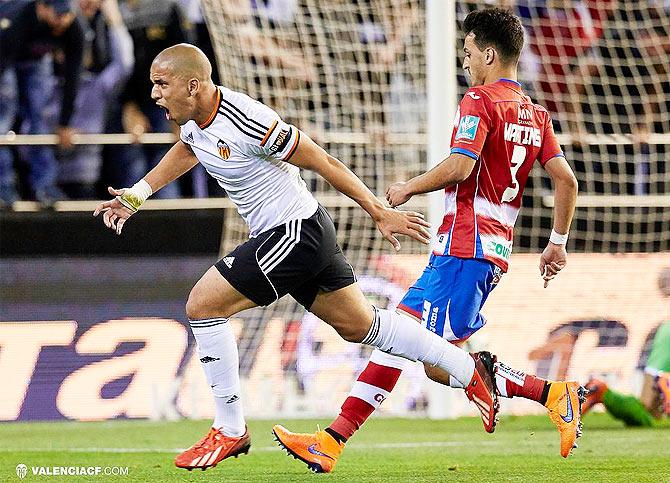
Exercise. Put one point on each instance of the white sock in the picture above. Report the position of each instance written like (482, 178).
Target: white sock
(402, 336)
(455, 383)
(388, 360)
(217, 350)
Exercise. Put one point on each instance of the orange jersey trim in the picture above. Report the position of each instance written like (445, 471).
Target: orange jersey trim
(214, 111)
(269, 133)
(295, 145)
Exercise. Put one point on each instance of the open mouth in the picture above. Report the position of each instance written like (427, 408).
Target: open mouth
(167, 112)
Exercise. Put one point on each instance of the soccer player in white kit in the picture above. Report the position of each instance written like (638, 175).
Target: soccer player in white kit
(256, 157)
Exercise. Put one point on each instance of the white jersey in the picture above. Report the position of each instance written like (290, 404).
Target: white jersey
(245, 146)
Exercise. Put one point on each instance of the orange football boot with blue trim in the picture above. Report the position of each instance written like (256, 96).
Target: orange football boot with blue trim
(564, 404)
(319, 451)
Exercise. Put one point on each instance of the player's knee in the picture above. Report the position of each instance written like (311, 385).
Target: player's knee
(196, 308)
(350, 331)
(354, 335)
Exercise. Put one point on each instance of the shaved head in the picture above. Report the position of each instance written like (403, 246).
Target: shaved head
(185, 61)
(182, 84)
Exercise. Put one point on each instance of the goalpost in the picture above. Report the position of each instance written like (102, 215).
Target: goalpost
(442, 101)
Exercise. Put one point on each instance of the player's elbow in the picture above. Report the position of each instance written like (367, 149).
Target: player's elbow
(460, 168)
(568, 182)
(460, 176)
(460, 173)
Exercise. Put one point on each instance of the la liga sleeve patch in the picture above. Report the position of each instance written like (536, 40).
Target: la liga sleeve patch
(467, 128)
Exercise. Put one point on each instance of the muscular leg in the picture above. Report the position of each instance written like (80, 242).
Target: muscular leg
(213, 296)
(351, 315)
(211, 302)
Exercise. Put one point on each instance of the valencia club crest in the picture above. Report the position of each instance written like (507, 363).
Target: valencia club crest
(224, 150)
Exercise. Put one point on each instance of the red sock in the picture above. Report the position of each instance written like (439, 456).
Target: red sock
(370, 389)
(513, 383)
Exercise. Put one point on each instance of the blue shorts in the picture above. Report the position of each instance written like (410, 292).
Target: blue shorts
(450, 293)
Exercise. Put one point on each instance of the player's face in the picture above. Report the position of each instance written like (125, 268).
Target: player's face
(171, 93)
(474, 61)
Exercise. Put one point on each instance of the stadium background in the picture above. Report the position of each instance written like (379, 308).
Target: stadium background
(92, 326)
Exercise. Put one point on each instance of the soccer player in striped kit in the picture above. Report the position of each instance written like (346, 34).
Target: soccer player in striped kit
(498, 134)
(255, 156)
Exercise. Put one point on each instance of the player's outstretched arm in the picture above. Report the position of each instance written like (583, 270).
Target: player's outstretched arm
(554, 257)
(177, 161)
(310, 155)
(452, 170)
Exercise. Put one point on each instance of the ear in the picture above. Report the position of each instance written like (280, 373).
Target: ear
(193, 87)
(489, 55)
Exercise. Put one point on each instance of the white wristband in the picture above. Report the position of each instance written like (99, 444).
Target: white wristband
(136, 195)
(557, 238)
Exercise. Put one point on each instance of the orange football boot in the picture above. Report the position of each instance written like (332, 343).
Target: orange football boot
(319, 451)
(564, 404)
(482, 389)
(212, 449)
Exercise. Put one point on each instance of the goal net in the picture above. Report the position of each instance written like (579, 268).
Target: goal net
(352, 74)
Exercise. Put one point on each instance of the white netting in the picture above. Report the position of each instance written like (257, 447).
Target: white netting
(352, 74)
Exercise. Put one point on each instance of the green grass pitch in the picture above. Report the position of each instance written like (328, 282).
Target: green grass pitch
(387, 450)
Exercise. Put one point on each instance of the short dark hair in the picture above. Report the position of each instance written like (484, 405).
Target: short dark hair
(498, 28)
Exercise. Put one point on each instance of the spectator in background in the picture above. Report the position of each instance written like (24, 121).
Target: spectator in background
(8, 193)
(108, 62)
(203, 185)
(201, 36)
(563, 34)
(153, 26)
(624, 72)
(33, 31)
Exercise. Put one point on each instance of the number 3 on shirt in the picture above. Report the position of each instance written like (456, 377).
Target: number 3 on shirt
(518, 157)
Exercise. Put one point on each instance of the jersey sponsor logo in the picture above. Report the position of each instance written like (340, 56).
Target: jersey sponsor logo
(207, 359)
(467, 128)
(518, 134)
(229, 261)
(280, 141)
(525, 116)
(224, 150)
(500, 250)
(474, 96)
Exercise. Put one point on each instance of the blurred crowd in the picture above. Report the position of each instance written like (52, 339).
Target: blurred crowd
(81, 66)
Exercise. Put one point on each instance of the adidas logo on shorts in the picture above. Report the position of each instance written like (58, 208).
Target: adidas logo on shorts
(229, 261)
